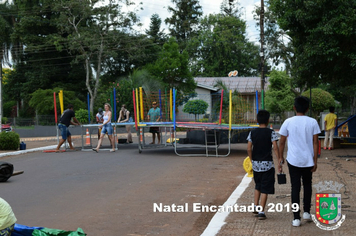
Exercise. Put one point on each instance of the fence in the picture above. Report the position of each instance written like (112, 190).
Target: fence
(240, 107)
(38, 120)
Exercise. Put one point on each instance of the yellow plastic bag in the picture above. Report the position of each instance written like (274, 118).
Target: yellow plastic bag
(248, 167)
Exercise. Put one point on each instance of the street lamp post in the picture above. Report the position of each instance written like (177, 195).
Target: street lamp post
(262, 54)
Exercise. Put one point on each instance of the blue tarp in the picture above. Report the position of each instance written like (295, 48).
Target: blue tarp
(23, 230)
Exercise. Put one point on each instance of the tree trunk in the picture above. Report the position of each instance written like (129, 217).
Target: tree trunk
(353, 105)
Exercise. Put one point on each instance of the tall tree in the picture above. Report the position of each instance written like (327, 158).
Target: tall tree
(7, 18)
(230, 8)
(90, 29)
(323, 36)
(183, 24)
(172, 68)
(279, 96)
(279, 46)
(154, 32)
(37, 62)
(221, 47)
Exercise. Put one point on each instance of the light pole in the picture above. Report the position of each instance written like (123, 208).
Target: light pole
(262, 53)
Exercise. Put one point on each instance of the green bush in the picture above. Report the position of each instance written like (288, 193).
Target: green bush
(9, 141)
(4, 120)
(82, 116)
(196, 107)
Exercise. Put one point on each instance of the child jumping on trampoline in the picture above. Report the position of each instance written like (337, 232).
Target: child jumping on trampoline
(259, 149)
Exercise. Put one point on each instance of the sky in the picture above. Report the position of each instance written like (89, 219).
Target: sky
(151, 7)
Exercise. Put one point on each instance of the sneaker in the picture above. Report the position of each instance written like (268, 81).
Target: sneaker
(324, 148)
(307, 216)
(261, 216)
(330, 148)
(296, 222)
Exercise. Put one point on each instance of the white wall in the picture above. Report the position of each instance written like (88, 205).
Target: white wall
(203, 94)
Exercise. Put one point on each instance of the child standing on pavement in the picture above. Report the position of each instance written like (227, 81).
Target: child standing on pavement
(330, 125)
(259, 149)
(302, 132)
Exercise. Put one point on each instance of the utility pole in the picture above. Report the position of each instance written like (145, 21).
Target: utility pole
(262, 53)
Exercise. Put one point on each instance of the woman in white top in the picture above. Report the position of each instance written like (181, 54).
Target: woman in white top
(106, 127)
(125, 117)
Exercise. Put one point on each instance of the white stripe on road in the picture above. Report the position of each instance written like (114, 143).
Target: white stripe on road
(218, 221)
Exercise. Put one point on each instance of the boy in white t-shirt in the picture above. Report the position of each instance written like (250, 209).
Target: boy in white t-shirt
(302, 133)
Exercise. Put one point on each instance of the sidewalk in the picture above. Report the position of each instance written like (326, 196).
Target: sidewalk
(331, 167)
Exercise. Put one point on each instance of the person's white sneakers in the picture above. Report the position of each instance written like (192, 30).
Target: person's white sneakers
(306, 216)
(296, 222)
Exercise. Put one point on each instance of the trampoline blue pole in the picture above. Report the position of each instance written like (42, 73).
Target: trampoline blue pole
(114, 104)
(88, 108)
(257, 101)
(174, 110)
(160, 104)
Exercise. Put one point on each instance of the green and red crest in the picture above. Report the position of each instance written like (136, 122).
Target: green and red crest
(328, 207)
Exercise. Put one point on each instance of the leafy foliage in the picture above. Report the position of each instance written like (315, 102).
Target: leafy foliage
(279, 96)
(172, 68)
(221, 47)
(239, 105)
(9, 141)
(82, 116)
(196, 107)
(323, 36)
(184, 20)
(42, 101)
(321, 100)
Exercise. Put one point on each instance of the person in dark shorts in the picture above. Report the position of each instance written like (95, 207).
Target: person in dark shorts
(64, 122)
(154, 115)
(259, 149)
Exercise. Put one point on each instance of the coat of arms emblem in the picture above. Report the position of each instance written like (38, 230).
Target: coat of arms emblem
(328, 206)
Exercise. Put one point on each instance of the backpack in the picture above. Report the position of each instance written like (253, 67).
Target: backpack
(6, 170)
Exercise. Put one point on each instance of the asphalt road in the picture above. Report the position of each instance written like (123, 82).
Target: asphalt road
(113, 193)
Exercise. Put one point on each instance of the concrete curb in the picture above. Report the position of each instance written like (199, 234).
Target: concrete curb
(28, 151)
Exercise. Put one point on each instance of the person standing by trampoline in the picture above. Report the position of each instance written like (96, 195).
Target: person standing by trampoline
(106, 127)
(330, 125)
(154, 115)
(99, 119)
(125, 117)
(64, 122)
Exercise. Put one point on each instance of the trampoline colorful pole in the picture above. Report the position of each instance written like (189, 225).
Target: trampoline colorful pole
(230, 110)
(88, 99)
(55, 107)
(114, 102)
(165, 98)
(171, 104)
(137, 108)
(221, 104)
(134, 103)
(160, 104)
(257, 101)
(55, 114)
(141, 103)
(174, 110)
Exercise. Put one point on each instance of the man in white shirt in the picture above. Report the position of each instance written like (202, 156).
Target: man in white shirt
(302, 133)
